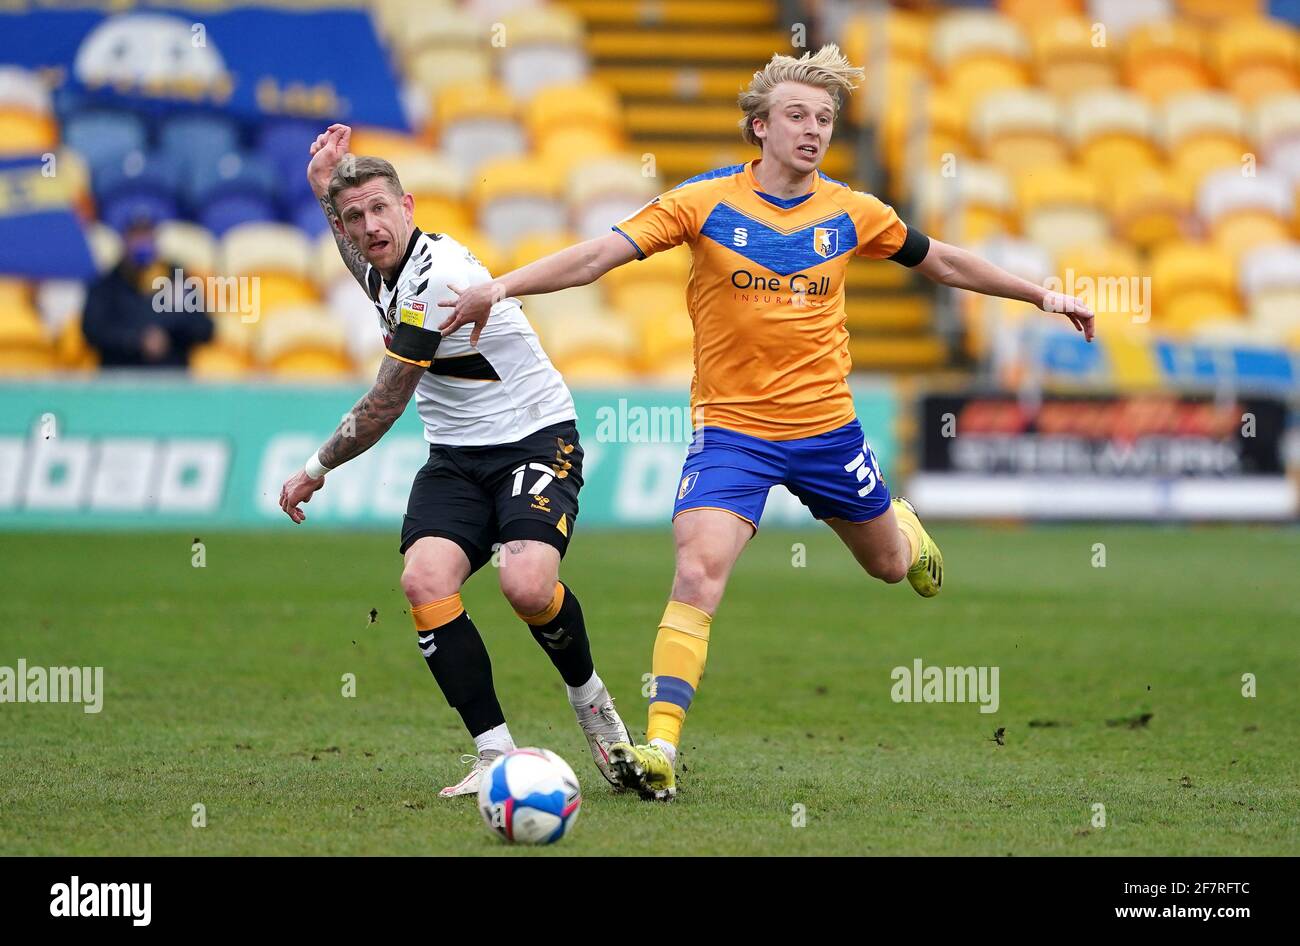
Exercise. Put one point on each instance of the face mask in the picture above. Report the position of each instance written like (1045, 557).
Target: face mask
(141, 254)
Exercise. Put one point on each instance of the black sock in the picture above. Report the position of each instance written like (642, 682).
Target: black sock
(564, 638)
(459, 661)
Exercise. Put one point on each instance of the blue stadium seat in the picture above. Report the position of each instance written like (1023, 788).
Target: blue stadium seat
(306, 215)
(103, 136)
(229, 210)
(231, 173)
(286, 144)
(138, 184)
(196, 137)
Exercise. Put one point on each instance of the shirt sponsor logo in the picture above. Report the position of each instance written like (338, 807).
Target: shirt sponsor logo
(826, 241)
(413, 312)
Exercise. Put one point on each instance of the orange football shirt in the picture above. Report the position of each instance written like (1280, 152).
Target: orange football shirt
(766, 295)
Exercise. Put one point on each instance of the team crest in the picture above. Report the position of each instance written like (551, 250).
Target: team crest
(826, 241)
(688, 483)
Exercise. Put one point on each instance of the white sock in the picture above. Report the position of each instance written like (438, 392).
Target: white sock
(496, 739)
(669, 749)
(587, 693)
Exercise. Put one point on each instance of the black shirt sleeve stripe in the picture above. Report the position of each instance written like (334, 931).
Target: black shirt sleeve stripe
(915, 245)
(414, 343)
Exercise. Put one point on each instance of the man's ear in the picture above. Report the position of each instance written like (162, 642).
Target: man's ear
(759, 127)
(408, 207)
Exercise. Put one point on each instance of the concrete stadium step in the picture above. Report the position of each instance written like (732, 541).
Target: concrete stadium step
(889, 314)
(704, 48)
(684, 83)
(897, 353)
(685, 13)
(681, 119)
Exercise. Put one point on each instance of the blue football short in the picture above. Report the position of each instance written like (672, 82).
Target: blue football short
(834, 474)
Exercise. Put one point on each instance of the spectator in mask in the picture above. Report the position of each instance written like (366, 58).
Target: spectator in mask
(124, 318)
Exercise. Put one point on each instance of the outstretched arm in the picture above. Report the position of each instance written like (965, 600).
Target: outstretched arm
(577, 265)
(962, 269)
(369, 419)
(329, 148)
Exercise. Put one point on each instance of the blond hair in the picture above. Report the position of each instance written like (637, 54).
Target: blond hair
(355, 170)
(826, 69)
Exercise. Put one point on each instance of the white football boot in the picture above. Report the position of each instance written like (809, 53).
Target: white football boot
(603, 728)
(469, 784)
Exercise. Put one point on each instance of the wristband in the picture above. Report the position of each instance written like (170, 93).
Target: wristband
(315, 469)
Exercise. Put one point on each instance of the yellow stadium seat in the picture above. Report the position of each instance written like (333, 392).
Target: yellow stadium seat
(887, 35)
(265, 247)
(534, 247)
(278, 291)
(1165, 58)
(188, 244)
(565, 148)
(72, 350)
(1031, 12)
(434, 69)
(1060, 207)
(232, 332)
(671, 267)
(1256, 57)
(1019, 129)
(509, 177)
(428, 174)
(1238, 231)
(1066, 57)
(1275, 120)
(486, 250)
(15, 296)
(383, 143)
(24, 133)
(1214, 12)
(587, 104)
(474, 100)
(303, 343)
(441, 30)
(1191, 282)
(392, 16)
(974, 77)
(25, 345)
(215, 361)
(1148, 207)
(437, 214)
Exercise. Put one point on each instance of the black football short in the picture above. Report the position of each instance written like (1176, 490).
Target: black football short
(481, 497)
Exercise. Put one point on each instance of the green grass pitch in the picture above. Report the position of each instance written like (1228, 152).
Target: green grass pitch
(223, 687)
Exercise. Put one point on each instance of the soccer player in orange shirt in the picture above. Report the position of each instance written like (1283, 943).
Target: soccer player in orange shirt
(770, 240)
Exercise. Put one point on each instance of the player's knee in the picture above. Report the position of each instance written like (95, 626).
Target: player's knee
(697, 580)
(528, 587)
(424, 581)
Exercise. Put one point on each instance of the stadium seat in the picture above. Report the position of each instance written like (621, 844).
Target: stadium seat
(215, 361)
(196, 138)
(304, 344)
(1060, 207)
(188, 244)
(441, 30)
(234, 189)
(671, 267)
(26, 346)
(516, 197)
(23, 90)
(1191, 282)
(972, 205)
(1216, 12)
(543, 47)
(1165, 59)
(1270, 282)
(533, 248)
(139, 185)
(1147, 207)
(434, 69)
(286, 145)
(1018, 129)
(23, 132)
(603, 192)
(105, 245)
(71, 350)
(1275, 122)
(1255, 57)
(1113, 133)
(555, 315)
(587, 104)
(349, 305)
(478, 123)
(59, 301)
(1067, 57)
(1243, 211)
(1109, 276)
(279, 257)
(103, 137)
(494, 256)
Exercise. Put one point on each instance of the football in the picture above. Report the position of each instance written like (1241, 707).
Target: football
(530, 796)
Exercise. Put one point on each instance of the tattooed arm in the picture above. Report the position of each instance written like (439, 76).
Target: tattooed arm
(360, 430)
(327, 151)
